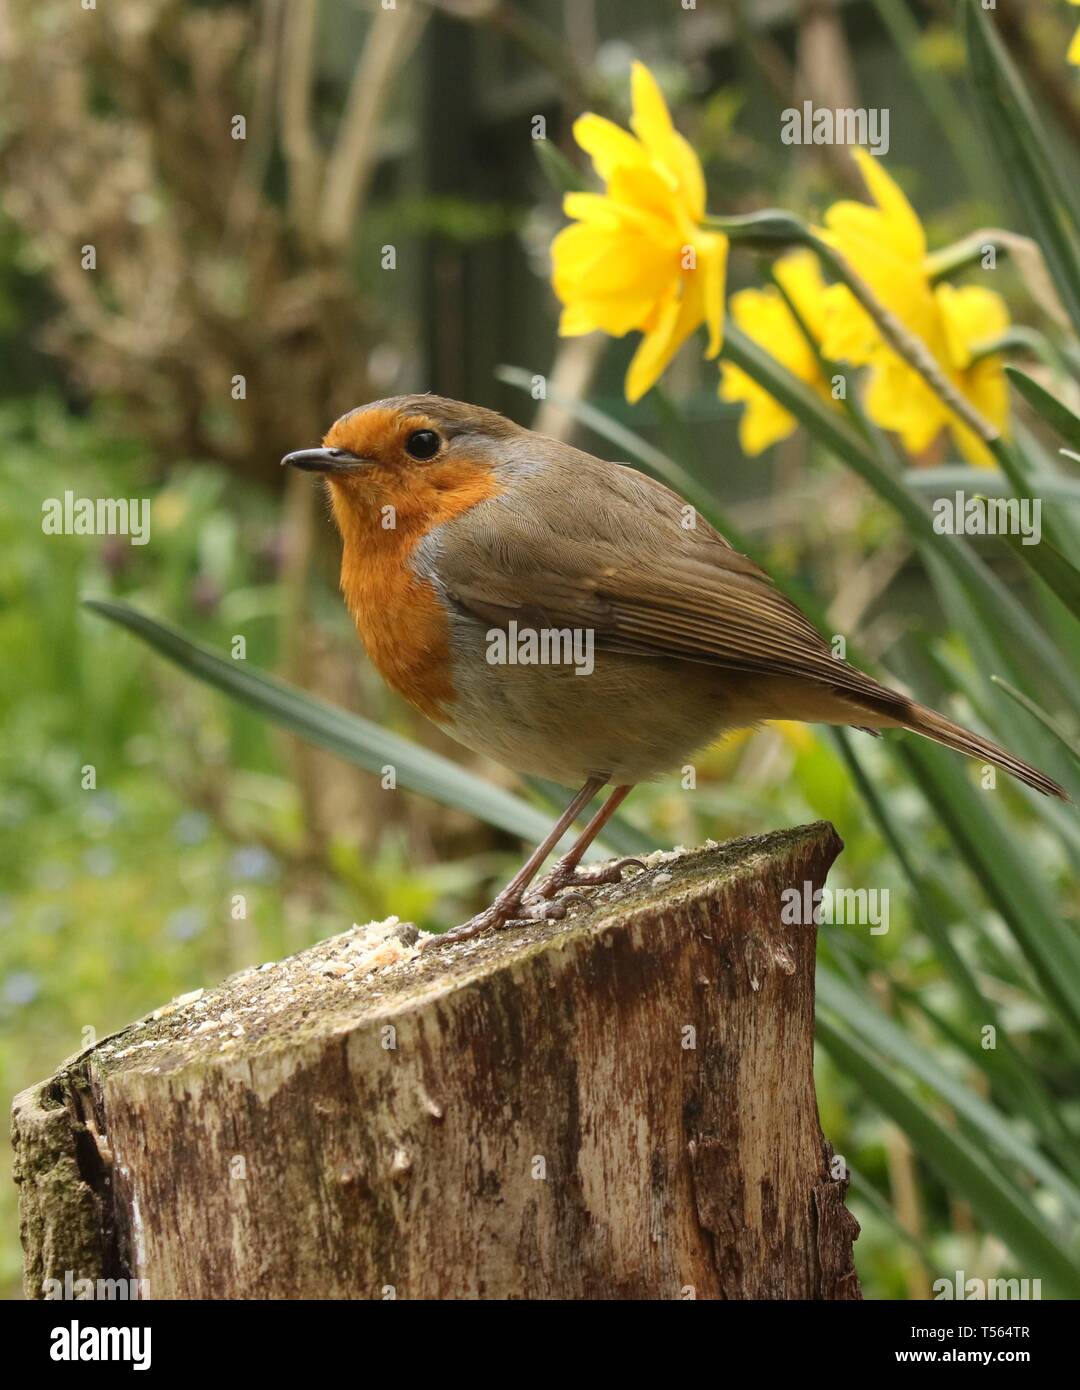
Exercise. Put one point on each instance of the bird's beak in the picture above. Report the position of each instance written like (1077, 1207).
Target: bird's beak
(325, 460)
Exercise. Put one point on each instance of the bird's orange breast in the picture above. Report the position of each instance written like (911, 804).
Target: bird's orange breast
(399, 615)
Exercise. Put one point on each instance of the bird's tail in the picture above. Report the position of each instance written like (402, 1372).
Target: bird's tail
(922, 720)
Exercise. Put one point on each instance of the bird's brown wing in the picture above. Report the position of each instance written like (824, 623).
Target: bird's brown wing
(600, 546)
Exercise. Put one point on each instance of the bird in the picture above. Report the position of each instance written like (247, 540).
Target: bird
(572, 619)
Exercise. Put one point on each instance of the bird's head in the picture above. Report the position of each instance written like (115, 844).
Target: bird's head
(422, 456)
(404, 437)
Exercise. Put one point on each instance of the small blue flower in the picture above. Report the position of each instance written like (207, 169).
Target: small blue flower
(253, 862)
(102, 810)
(191, 828)
(20, 988)
(99, 861)
(185, 923)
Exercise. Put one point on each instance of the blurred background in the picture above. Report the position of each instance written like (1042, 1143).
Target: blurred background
(240, 302)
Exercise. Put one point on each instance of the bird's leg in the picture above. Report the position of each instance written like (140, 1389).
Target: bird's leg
(566, 871)
(508, 902)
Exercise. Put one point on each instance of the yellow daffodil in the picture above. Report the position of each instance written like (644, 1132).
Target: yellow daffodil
(764, 315)
(637, 255)
(886, 245)
(1073, 55)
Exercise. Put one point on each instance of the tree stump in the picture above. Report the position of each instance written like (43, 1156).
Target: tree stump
(618, 1105)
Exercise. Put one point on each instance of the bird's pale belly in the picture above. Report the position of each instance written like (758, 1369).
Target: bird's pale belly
(628, 720)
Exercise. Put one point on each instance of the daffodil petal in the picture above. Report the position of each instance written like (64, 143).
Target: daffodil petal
(971, 446)
(616, 280)
(763, 421)
(575, 321)
(653, 353)
(898, 399)
(636, 256)
(691, 176)
(891, 200)
(625, 206)
(651, 122)
(651, 119)
(712, 265)
(607, 144)
(645, 189)
(800, 275)
(735, 384)
(970, 315)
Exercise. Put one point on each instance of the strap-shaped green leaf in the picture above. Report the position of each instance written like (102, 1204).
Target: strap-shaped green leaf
(356, 739)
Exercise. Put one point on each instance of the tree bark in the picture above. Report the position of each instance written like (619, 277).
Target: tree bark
(619, 1105)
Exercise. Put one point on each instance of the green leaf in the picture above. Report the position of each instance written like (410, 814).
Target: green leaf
(889, 1040)
(1004, 870)
(563, 176)
(1056, 413)
(356, 739)
(1023, 147)
(1058, 573)
(1037, 712)
(938, 94)
(962, 478)
(1006, 1065)
(988, 654)
(960, 1163)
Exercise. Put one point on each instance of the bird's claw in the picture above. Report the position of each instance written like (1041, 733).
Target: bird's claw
(493, 918)
(552, 909)
(582, 878)
(541, 905)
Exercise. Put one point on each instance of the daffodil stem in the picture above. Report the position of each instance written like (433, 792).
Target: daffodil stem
(912, 349)
(830, 371)
(780, 228)
(966, 252)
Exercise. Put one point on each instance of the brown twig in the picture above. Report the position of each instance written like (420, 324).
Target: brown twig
(390, 40)
(297, 139)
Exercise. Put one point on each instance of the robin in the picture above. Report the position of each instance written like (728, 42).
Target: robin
(572, 618)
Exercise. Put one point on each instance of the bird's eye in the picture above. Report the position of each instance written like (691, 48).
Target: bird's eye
(422, 444)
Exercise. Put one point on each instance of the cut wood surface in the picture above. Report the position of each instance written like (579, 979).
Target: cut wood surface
(618, 1105)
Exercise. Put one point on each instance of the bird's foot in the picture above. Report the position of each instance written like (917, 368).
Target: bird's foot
(541, 905)
(506, 908)
(570, 876)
